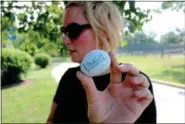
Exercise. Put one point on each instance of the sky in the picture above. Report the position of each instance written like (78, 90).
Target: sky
(162, 23)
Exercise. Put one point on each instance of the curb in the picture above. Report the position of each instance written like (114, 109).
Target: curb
(167, 83)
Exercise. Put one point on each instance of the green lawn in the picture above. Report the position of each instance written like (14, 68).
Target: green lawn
(60, 59)
(167, 68)
(29, 102)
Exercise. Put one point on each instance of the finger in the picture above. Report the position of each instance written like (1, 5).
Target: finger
(128, 68)
(114, 61)
(115, 75)
(89, 86)
(142, 81)
(137, 82)
(144, 96)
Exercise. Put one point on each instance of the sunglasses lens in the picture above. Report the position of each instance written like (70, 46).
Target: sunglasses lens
(74, 31)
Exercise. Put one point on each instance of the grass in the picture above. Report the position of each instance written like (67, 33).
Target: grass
(29, 102)
(60, 59)
(168, 68)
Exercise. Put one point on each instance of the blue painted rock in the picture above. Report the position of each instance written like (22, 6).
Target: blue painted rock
(95, 63)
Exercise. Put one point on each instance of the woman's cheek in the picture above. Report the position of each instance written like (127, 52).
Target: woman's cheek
(85, 43)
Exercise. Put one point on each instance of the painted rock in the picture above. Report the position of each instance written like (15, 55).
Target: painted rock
(95, 63)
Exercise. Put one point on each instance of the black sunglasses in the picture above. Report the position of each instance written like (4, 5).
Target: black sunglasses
(73, 30)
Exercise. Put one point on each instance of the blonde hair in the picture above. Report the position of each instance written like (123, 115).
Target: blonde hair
(105, 20)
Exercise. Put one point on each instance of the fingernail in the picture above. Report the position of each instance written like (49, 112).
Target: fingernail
(118, 68)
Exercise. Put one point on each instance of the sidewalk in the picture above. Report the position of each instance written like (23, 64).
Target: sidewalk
(60, 69)
(170, 98)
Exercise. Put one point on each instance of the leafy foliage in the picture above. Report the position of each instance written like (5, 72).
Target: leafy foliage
(29, 47)
(14, 64)
(49, 17)
(177, 6)
(40, 23)
(41, 20)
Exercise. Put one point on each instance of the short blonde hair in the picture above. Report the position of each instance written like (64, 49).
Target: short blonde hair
(105, 20)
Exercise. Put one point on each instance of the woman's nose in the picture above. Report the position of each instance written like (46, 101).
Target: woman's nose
(66, 39)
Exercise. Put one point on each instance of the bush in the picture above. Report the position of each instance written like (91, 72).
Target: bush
(63, 50)
(42, 60)
(51, 49)
(14, 64)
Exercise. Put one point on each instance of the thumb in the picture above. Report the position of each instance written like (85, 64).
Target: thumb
(89, 86)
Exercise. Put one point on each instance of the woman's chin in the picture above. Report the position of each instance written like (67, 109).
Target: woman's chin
(75, 59)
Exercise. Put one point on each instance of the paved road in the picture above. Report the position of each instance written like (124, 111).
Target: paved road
(170, 101)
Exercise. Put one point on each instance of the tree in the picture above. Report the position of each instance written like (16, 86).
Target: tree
(134, 17)
(181, 35)
(45, 18)
(140, 38)
(49, 16)
(47, 22)
(173, 38)
(41, 20)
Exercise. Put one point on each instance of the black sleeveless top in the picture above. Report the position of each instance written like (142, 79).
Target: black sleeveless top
(72, 103)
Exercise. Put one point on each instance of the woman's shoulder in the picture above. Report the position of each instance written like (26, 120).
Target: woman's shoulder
(68, 77)
(70, 73)
(73, 70)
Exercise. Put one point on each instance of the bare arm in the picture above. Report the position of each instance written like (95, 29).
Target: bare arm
(51, 114)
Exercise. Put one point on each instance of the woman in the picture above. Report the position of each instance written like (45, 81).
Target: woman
(122, 96)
